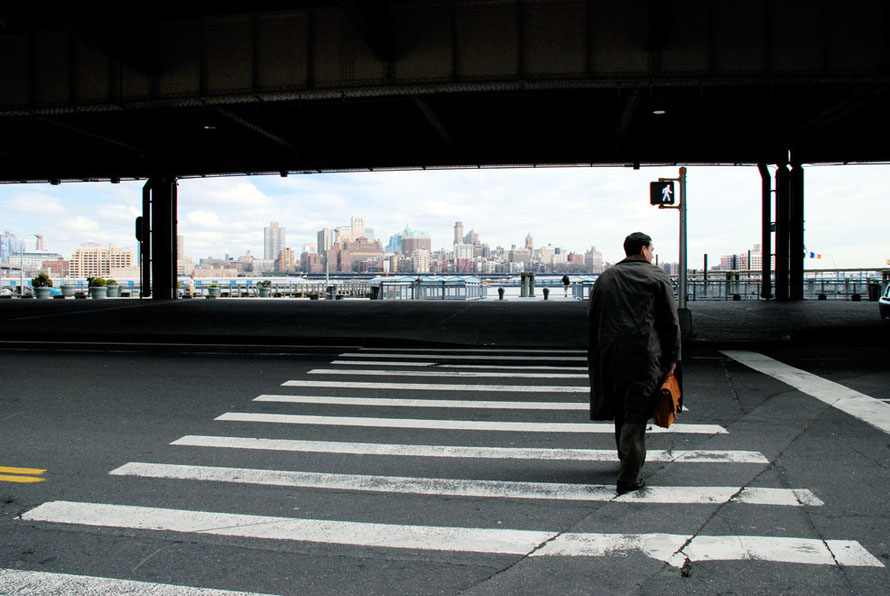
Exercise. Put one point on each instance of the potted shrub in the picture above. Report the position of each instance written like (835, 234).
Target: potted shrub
(213, 290)
(265, 288)
(113, 290)
(68, 289)
(41, 284)
(97, 288)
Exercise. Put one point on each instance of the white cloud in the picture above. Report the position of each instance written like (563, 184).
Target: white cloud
(35, 203)
(119, 213)
(84, 225)
(202, 219)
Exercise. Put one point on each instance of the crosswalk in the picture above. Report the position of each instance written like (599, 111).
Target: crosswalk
(534, 412)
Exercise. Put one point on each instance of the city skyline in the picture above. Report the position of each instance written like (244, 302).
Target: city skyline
(570, 208)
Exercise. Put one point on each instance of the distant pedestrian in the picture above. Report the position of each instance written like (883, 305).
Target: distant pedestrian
(565, 285)
(634, 344)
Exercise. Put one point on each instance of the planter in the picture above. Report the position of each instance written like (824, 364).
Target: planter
(213, 292)
(98, 292)
(68, 290)
(113, 291)
(41, 293)
(265, 292)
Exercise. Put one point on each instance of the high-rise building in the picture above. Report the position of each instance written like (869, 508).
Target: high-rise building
(472, 237)
(311, 262)
(285, 261)
(416, 241)
(420, 261)
(100, 262)
(180, 246)
(395, 244)
(458, 232)
(38, 243)
(358, 227)
(594, 260)
(7, 246)
(353, 251)
(325, 240)
(529, 242)
(355, 230)
(274, 239)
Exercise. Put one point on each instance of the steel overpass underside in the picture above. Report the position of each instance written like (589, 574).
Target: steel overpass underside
(199, 88)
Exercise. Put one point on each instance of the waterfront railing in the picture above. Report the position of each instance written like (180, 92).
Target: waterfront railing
(823, 284)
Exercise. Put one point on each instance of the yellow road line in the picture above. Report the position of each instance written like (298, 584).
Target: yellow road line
(4, 478)
(36, 471)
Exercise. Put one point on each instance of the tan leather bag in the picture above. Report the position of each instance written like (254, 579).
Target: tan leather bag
(667, 405)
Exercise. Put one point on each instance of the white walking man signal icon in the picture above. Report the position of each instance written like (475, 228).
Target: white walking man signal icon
(666, 192)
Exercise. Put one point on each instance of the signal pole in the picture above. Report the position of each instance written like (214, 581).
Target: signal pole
(683, 266)
(661, 194)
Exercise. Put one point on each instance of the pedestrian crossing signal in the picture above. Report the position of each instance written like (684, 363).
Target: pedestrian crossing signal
(661, 193)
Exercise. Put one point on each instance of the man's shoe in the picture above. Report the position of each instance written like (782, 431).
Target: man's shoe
(626, 487)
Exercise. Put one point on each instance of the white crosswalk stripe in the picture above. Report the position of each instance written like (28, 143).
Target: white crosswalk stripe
(457, 366)
(439, 351)
(446, 374)
(472, 488)
(438, 387)
(17, 581)
(477, 425)
(669, 548)
(520, 374)
(453, 451)
(390, 402)
(464, 356)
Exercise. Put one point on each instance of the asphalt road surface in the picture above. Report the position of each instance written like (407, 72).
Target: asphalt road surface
(372, 471)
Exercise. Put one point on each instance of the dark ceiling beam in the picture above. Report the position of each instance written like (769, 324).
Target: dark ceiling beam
(844, 109)
(661, 22)
(371, 20)
(88, 133)
(628, 110)
(254, 127)
(433, 120)
(110, 29)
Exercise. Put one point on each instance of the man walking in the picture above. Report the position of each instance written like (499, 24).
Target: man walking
(634, 344)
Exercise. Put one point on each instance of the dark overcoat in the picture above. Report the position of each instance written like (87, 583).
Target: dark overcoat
(634, 337)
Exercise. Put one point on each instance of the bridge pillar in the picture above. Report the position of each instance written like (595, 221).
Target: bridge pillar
(797, 253)
(163, 237)
(783, 224)
(766, 245)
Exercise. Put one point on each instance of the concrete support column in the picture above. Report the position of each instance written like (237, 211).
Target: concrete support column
(795, 232)
(783, 224)
(163, 231)
(144, 233)
(766, 245)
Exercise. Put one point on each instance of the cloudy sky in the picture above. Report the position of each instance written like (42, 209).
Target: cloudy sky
(572, 208)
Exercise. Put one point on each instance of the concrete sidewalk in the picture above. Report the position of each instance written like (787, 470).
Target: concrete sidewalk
(299, 322)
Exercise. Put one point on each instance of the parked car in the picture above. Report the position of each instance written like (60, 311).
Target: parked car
(884, 303)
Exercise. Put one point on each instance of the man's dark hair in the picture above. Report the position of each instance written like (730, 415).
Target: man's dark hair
(634, 243)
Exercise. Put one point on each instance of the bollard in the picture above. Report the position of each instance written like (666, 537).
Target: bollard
(500, 293)
(546, 293)
(531, 284)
